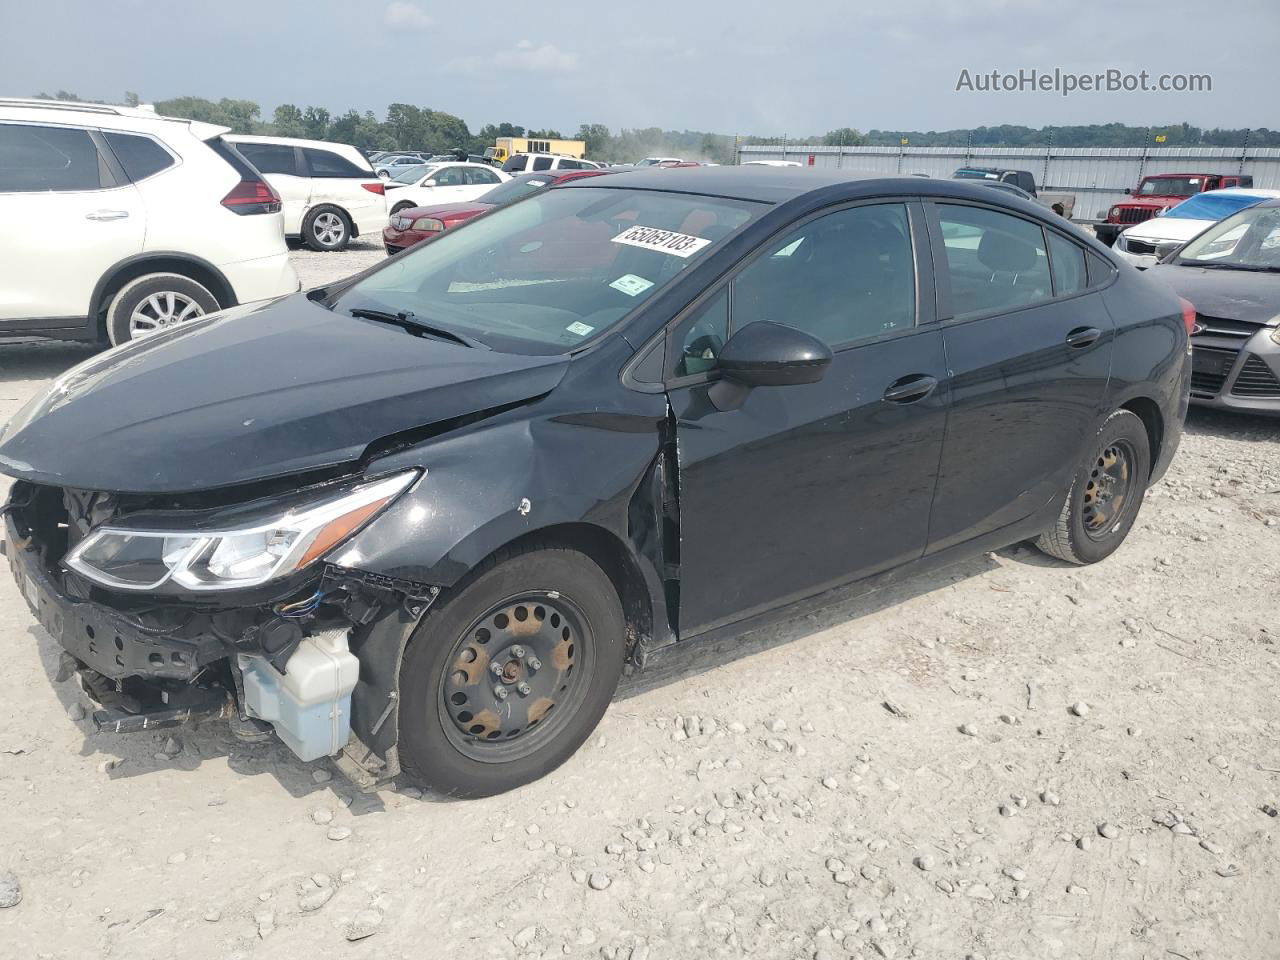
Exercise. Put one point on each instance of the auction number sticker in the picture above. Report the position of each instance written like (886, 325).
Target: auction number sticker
(631, 285)
(663, 241)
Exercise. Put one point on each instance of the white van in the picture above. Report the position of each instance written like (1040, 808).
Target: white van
(537, 162)
(329, 190)
(116, 223)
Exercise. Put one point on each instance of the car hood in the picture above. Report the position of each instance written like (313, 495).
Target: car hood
(1149, 202)
(253, 393)
(1228, 294)
(448, 211)
(1167, 228)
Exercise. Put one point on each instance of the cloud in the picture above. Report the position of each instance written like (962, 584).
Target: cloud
(407, 15)
(525, 55)
(547, 58)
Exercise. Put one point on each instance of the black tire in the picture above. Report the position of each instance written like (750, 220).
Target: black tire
(384, 174)
(435, 749)
(1100, 507)
(402, 205)
(162, 298)
(326, 228)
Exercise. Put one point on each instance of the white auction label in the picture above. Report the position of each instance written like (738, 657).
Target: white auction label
(663, 241)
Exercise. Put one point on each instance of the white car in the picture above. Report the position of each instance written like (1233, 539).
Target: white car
(329, 190)
(116, 222)
(770, 163)
(538, 162)
(430, 184)
(1138, 244)
(391, 164)
(654, 161)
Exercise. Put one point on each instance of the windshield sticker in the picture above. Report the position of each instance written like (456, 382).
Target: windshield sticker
(536, 183)
(663, 241)
(631, 285)
(579, 328)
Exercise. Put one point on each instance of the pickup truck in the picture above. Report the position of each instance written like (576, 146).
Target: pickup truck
(1156, 194)
(1063, 204)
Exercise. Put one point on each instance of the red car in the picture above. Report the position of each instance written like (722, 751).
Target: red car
(421, 223)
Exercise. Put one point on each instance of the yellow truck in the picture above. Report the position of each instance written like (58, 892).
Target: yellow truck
(504, 147)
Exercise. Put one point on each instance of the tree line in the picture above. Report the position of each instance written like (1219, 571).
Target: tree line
(410, 127)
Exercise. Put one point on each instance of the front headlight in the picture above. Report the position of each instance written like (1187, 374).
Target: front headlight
(1114, 212)
(428, 225)
(1275, 335)
(231, 559)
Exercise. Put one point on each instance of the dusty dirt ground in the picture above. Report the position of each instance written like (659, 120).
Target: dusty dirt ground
(897, 775)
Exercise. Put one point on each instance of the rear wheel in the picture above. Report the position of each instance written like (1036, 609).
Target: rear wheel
(504, 681)
(1106, 494)
(326, 228)
(155, 302)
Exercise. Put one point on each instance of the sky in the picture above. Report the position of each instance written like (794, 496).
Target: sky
(728, 66)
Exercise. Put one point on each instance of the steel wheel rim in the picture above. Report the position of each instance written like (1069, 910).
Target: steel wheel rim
(328, 228)
(161, 311)
(539, 640)
(1108, 489)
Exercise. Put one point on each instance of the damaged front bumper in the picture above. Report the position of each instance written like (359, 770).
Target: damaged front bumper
(324, 680)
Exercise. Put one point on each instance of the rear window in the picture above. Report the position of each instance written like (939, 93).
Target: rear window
(38, 159)
(324, 163)
(270, 157)
(141, 157)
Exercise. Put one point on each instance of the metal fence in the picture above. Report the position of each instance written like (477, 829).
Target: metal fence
(1097, 176)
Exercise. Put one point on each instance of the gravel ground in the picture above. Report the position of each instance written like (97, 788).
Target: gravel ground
(1010, 759)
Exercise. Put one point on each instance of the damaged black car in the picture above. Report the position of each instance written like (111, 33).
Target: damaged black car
(422, 519)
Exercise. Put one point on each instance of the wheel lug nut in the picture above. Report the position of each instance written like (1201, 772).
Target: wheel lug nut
(524, 689)
(517, 652)
(500, 692)
(496, 669)
(533, 663)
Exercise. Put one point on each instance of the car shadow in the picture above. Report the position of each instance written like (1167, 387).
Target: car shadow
(1233, 425)
(687, 659)
(27, 360)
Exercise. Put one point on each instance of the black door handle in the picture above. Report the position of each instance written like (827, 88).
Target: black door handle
(1083, 336)
(909, 389)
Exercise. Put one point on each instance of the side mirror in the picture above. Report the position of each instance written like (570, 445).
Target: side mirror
(768, 354)
(429, 183)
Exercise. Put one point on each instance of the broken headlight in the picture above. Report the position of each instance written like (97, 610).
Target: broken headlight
(231, 559)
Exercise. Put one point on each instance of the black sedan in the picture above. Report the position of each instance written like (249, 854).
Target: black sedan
(1231, 273)
(426, 515)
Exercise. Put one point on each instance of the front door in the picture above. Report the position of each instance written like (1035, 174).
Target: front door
(65, 220)
(804, 487)
(1029, 348)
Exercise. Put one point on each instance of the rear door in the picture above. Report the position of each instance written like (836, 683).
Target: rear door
(805, 487)
(67, 215)
(339, 181)
(280, 164)
(1029, 349)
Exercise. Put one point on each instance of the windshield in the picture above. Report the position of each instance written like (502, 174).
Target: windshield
(543, 275)
(414, 174)
(1250, 240)
(1170, 186)
(514, 189)
(1213, 205)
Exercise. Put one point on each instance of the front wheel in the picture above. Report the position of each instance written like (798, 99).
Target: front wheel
(505, 679)
(1105, 495)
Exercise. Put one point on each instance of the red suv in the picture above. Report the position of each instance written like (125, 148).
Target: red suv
(421, 223)
(1158, 193)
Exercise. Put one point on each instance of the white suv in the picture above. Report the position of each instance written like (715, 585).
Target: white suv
(116, 222)
(537, 162)
(329, 190)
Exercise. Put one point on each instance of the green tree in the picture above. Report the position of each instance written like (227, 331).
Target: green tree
(597, 138)
(286, 121)
(315, 122)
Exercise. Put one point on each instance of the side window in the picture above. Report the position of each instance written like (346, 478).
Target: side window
(326, 164)
(449, 177)
(1099, 270)
(516, 164)
(270, 157)
(541, 163)
(846, 276)
(570, 165)
(701, 336)
(139, 156)
(996, 261)
(1068, 265)
(39, 159)
(479, 178)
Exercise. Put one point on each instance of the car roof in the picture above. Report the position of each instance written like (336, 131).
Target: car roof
(125, 118)
(780, 184)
